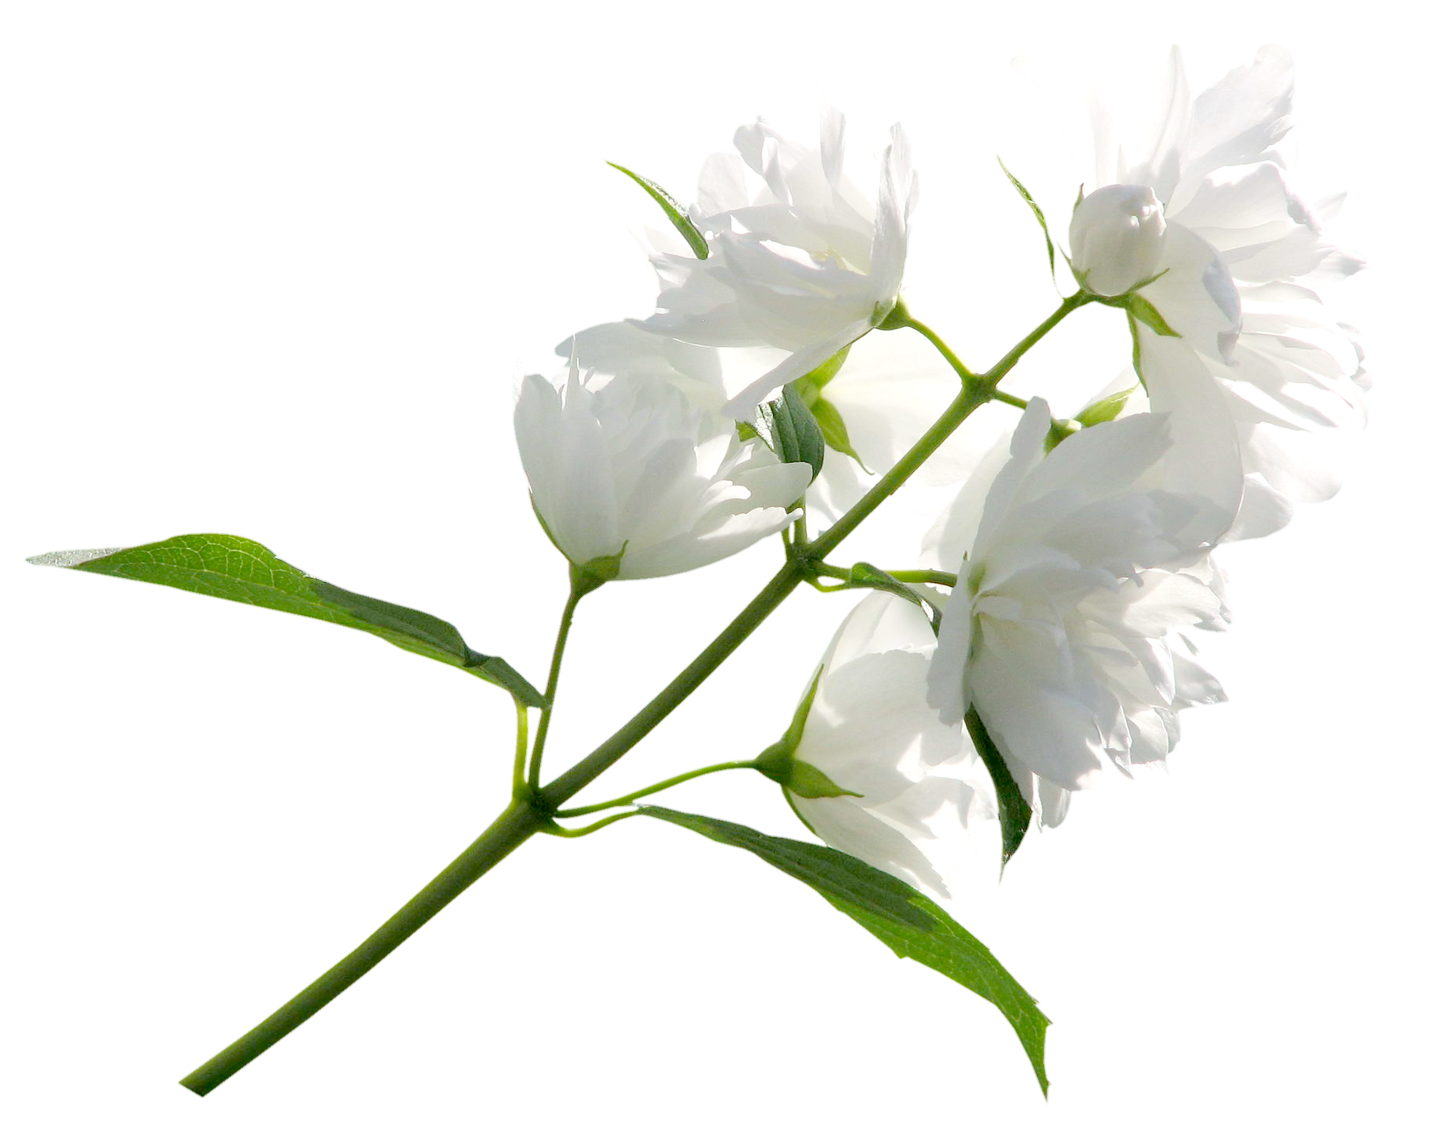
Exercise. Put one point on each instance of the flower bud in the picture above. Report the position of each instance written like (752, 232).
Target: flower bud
(1116, 238)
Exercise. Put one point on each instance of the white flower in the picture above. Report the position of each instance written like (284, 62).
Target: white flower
(1116, 239)
(804, 265)
(889, 390)
(871, 731)
(1066, 627)
(629, 467)
(1244, 259)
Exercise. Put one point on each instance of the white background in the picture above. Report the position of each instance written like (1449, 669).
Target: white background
(274, 269)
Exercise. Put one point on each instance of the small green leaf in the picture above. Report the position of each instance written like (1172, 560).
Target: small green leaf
(1037, 212)
(1140, 309)
(791, 431)
(1105, 410)
(1014, 812)
(673, 211)
(240, 570)
(833, 430)
(907, 921)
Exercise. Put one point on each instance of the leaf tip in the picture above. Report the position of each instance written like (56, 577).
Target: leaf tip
(72, 558)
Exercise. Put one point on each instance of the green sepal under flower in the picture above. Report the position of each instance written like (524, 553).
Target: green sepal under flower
(778, 761)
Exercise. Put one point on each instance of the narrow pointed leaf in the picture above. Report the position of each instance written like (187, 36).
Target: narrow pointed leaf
(240, 570)
(1140, 309)
(1014, 812)
(1037, 211)
(833, 430)
(673, 211)
(905, 920)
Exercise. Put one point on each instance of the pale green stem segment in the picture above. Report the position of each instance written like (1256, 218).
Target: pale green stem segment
(669, 783)
(536, 762)
(534, 812)
(937, 577)
(553, 829)
(521, 749)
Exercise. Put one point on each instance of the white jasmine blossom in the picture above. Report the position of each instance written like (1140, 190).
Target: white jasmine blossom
(871, 731)
(805, 264)
(888, 391)
(1066, 629)
(1244, 255)
(632, 470)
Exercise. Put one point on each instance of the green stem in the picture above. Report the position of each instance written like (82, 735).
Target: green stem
(534, 813)
(552, 829)
(517, 823)
(521, 749)
(936, 577)
(976, 390)
(630, 798)
(939, 577)
(567, 784)
(536, 762)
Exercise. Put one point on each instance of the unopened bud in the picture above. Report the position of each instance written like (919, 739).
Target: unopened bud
(1116, 238)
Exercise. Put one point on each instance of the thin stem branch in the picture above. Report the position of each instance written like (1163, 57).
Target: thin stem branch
(976, 389)
(521, 749)
(552, 829)
(630, 798)
(612, 749)
(936, 577)
(536, 761)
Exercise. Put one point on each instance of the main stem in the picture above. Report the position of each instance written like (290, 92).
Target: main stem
(516, 824)
(532, 811)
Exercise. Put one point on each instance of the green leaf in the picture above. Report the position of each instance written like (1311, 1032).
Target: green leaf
(240, 570)
(833, 429)
(1014, 812)
(1037, 211)
(673, 211)
(1141, 310)
(791, 431)
(907, 921)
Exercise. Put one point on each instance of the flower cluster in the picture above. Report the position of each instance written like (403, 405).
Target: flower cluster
(1045, 630)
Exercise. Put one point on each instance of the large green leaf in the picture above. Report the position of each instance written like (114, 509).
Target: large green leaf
(907, 921)
(1014, 812)
(677, 215)
(240, 570)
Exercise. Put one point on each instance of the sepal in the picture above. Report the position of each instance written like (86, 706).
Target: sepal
(788, 427)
